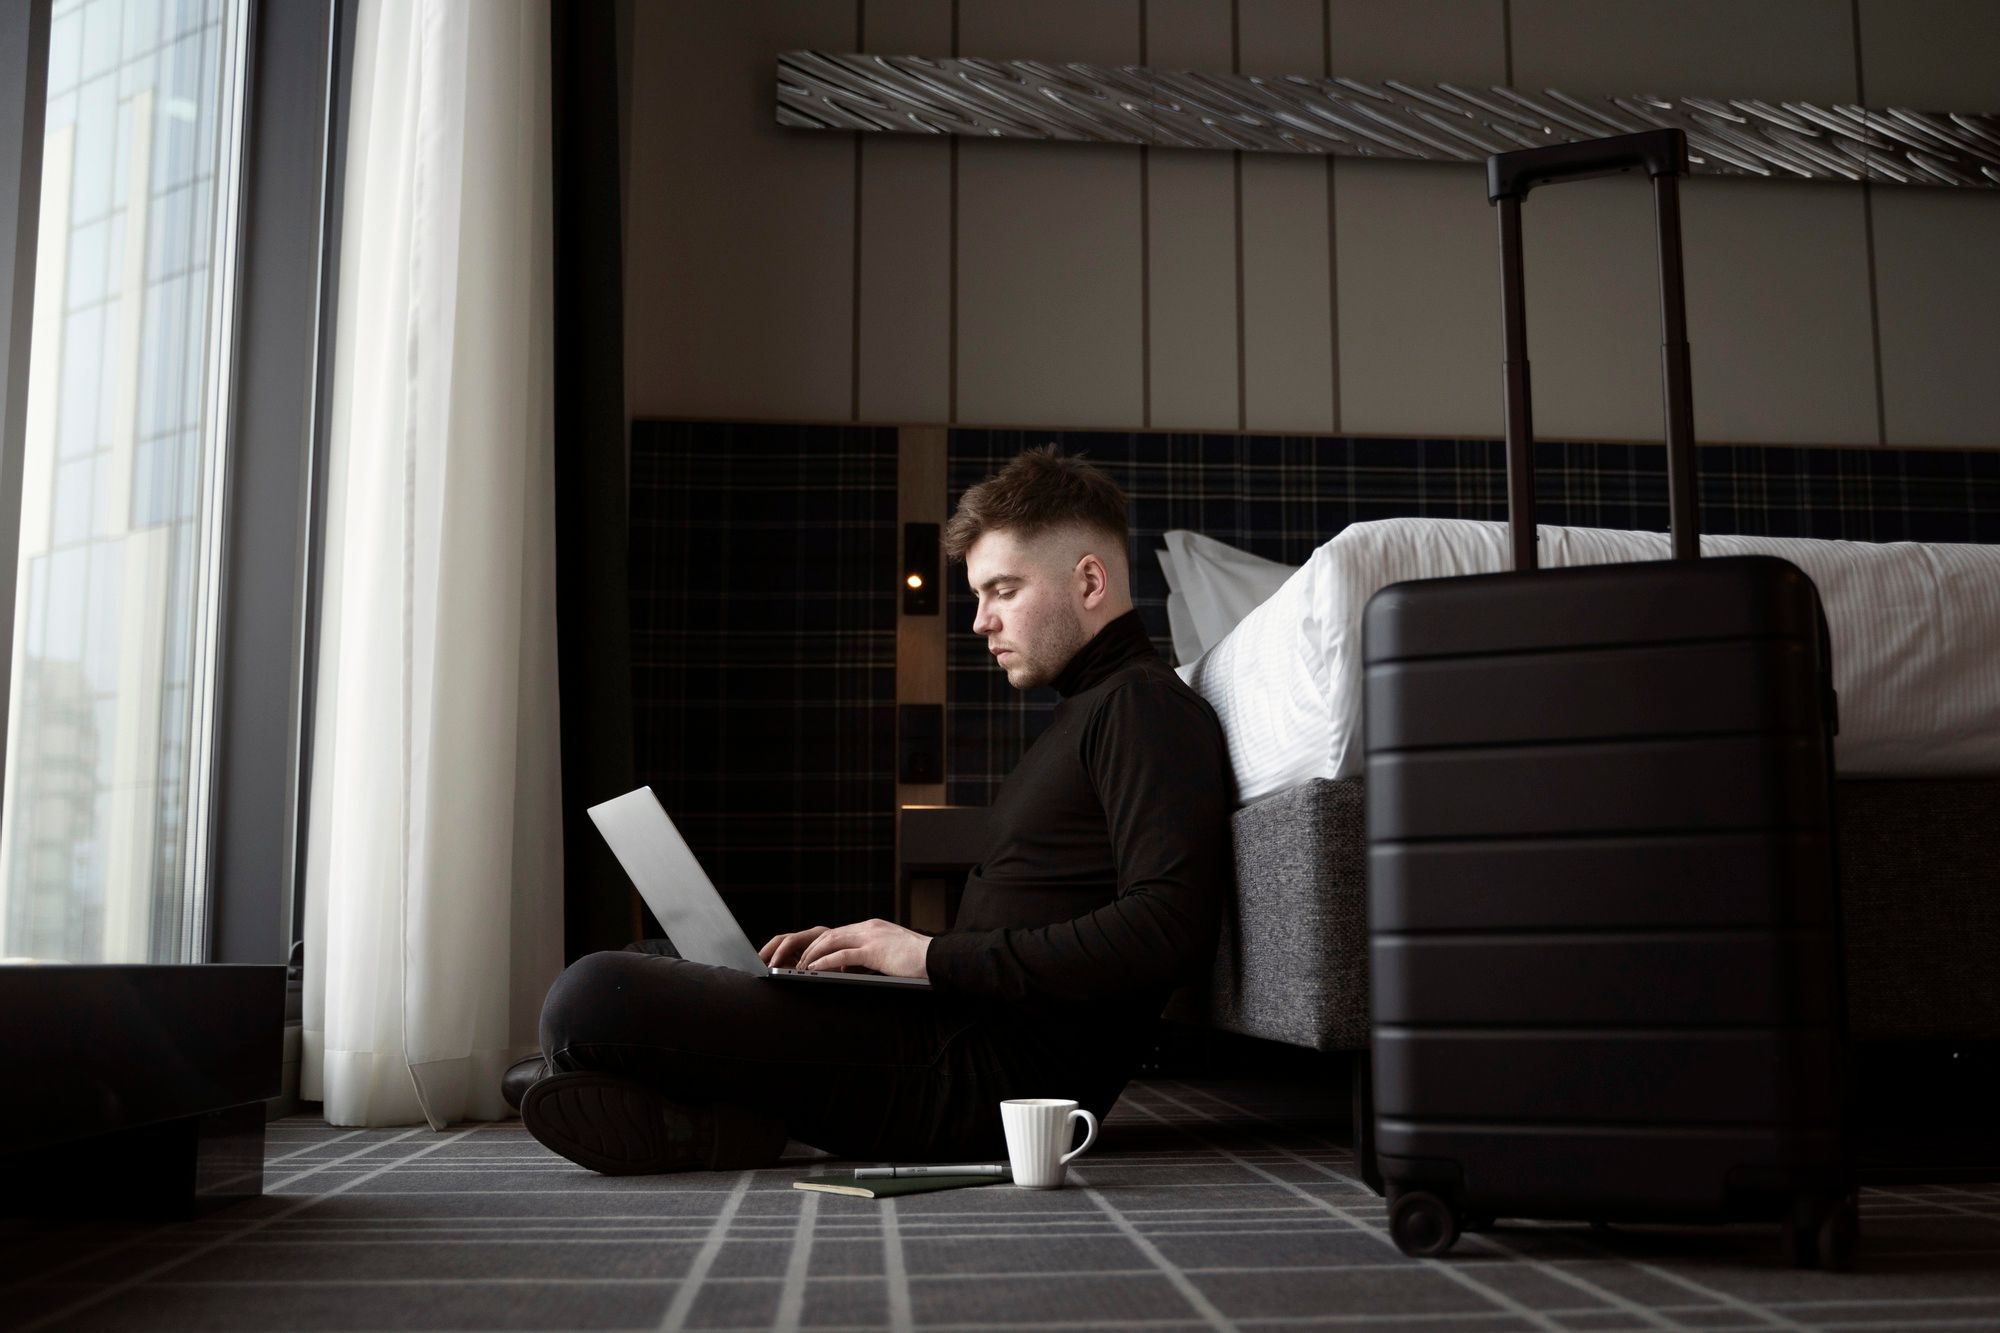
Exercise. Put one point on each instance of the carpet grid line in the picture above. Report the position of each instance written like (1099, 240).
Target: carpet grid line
(1440, 1267)
(704, 1259)
(1648, 1318)
(1590, 1288)
(1206, 1204)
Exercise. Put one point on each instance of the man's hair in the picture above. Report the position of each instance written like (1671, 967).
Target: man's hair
(1040, 490)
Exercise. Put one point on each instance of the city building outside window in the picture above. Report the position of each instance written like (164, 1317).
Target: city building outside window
(108, 750)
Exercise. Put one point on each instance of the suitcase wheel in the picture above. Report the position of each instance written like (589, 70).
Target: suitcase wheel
(1821, 1233)
(1838, 1232)
(1423, 1225)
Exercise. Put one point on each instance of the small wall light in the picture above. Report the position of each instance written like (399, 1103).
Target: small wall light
(920, 569)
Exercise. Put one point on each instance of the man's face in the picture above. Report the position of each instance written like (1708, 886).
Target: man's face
(1028, 604)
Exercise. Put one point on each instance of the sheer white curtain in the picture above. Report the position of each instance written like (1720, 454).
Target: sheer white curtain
(434, 850)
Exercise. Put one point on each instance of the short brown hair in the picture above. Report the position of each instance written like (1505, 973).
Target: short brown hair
(1041, 489)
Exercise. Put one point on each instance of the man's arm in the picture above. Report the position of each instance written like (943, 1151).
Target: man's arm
(1162, 775)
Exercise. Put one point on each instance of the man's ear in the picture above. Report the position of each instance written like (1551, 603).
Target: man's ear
(1096, 580)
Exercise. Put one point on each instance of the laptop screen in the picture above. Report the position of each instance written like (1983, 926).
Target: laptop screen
(673, 883)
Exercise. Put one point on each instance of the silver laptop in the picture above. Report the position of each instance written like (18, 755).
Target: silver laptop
(683, 897)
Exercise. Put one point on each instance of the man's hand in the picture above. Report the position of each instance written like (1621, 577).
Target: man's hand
(784, 950)
(876, 946)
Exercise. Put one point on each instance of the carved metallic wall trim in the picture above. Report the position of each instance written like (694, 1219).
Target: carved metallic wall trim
(1129, 104)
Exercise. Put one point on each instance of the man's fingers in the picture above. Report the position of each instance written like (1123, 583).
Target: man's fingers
(838, 960)
(827, 942)
(783, 950)
(817, 947)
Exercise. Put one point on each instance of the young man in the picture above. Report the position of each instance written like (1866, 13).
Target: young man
(1100, 890)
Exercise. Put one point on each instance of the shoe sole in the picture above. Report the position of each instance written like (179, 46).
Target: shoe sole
(611, 1125)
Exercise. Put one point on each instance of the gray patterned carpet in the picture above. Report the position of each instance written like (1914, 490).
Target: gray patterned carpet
(1206, 1204)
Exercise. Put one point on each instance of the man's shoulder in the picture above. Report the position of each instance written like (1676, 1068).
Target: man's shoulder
(1150, 686)
(1146, 717)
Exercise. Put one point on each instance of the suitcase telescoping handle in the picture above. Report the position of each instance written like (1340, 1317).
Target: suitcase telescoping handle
(1509, 177)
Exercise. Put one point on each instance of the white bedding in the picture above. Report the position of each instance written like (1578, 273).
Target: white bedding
(1915, 628)
(1211, 586)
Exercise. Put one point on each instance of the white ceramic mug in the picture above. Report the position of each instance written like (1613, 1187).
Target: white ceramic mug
(1038, 1129)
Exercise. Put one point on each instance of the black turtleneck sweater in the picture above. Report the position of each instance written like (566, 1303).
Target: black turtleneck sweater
(1107, 856)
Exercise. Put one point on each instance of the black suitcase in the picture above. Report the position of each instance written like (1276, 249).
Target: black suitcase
(1606, 978)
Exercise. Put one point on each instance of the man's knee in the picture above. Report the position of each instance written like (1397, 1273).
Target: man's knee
(585, 1002)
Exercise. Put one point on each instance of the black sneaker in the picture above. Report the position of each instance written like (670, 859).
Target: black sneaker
(622, 1128)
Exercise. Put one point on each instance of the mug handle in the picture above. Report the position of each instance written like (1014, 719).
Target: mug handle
(1090, 1136)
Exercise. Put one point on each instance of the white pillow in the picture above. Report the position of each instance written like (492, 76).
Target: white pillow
(1268, 684)
(1187, 644)
(1279, 682)
(1915, 629)
(1216, 584)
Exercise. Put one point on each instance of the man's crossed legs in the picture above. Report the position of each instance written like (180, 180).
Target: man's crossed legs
(658, 1064)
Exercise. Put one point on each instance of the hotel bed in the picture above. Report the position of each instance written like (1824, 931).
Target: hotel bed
(1916, 650)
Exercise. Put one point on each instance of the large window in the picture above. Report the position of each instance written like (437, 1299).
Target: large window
(109, 742)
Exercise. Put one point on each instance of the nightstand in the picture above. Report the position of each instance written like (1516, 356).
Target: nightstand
(935, 847)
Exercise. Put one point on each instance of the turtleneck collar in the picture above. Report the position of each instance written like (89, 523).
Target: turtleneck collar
(1119, 642)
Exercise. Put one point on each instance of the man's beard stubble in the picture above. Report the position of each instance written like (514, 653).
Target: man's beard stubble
(1052, 656)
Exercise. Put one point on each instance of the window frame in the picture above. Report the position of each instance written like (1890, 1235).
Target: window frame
(24, 87)
(248, 830)
(294, 150)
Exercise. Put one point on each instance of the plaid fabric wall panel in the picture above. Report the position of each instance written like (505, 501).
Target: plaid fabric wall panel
(1281, 496)
(764, 568)
(764, 596)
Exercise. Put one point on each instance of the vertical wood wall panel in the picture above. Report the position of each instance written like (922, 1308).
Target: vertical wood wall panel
(1427, 41)
(1082, 290)
(1192, 312)
(740, 263)
(906, 27)
(1777, 302)
(920, 660)
(1048, 285)
(1415, 262)
(1279, 37)
(1101, 32)
(1187, 34)
(1593, 288)
(1593, 296)
(904, 350)
(1419, 300)
(1288, 372)
(1937, 283)
(1772, 49)
(1938, 288)
(1934, 55)
(1049, 291)
(1191, 226)
(920, 640)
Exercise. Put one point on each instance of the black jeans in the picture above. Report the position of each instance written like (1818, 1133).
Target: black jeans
(859, 1071)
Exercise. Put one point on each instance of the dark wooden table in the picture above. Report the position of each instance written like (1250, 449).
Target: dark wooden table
(136, 1088)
